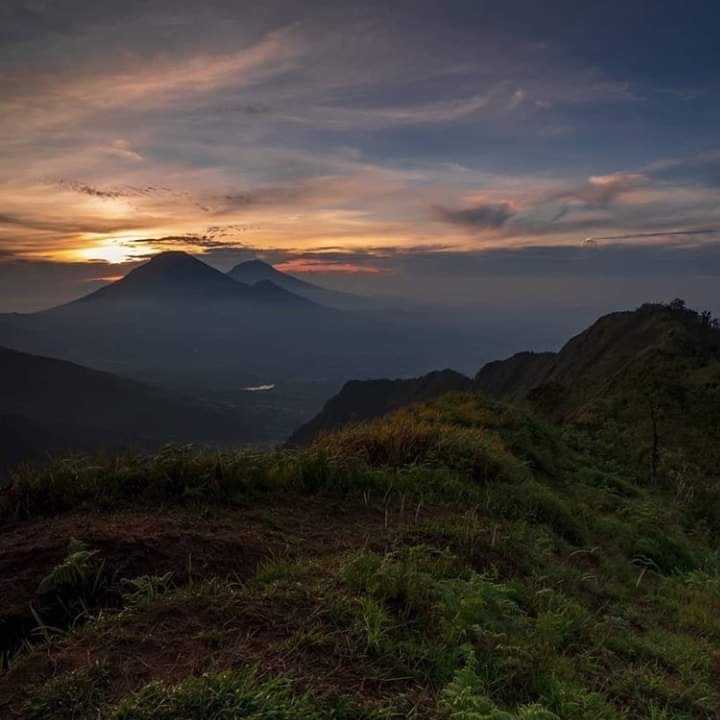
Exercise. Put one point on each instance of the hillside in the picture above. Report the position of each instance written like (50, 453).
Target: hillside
(652, 375)
(365, 399)
(515, 377)
(615, 346)
(456, 560)
(48, 405)
(647, 381)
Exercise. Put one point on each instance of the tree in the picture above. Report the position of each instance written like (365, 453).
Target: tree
(706, 318)
(660, 402)
(677, 304)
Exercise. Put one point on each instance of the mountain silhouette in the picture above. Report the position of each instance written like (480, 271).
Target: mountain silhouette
(180, 278)
(256, 272)
(252, 272)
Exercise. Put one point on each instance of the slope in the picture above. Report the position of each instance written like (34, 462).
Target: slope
(73, 407)
(612, 346)
(459, 559)
(365, 399)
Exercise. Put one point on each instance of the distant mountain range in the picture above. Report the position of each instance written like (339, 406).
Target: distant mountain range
(49, 405)
(176, 317)
(174, 312)
(176, 277)
(177, 323)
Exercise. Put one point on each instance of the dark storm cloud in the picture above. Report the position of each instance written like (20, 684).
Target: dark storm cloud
(479, 216)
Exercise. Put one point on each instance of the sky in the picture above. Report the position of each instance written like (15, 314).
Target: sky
(472, 152)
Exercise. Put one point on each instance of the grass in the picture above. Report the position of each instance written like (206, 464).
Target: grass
(231, 694)
(513, 572)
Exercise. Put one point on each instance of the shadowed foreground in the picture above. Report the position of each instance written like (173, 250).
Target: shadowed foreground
(460, 559)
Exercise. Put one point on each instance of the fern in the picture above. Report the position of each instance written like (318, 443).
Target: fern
(75, 570)
(143, 591)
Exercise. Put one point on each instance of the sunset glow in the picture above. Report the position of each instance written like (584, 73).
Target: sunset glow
(109, 252)
(348, 145)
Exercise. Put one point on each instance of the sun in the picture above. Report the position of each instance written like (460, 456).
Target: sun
(110, 252)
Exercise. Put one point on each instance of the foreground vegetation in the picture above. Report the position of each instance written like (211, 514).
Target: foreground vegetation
(493, 567)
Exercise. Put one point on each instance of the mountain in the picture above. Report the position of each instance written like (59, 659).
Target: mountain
(177, 322)
(613, 351)
(360, 400)
(646, 380)
(177, 277)
(176, 315)
(48, 404)
(255, 272)
(515, 376)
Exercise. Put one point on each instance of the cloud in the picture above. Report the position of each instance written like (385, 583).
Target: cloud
(619, 260)
(50, 100)
(477, 217)
(191, 241)
(65, 226)
(668, 234)
(86, 189)
(325, 266)
(603, 190)
(517, 98)
(439, 112)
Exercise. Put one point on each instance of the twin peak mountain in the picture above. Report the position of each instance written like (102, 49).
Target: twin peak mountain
(177, 277)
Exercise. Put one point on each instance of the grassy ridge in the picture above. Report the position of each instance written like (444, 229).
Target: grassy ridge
(520, 572)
